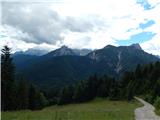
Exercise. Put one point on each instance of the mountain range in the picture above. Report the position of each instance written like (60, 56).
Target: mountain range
(65, 66)
(64, 50)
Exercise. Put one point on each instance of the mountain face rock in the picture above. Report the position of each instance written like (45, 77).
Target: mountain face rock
(32, 51)
(82, 52)
(136, 46)
(23, 61)
(120, 59)
(119, 66)
(63, 66)
(158, 56)
(64, 50)
(102, 54)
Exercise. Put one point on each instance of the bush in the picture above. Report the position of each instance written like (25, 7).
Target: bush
(157, 103)
(149, 98)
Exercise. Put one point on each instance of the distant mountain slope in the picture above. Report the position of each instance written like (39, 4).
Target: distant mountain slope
(32, 51)
(64, 50)
(82, 52)
(158, 56)
(23, 61)
(120, 59)
(63, 66)
(60, 70)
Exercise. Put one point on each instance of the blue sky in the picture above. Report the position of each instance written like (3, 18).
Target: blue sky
(138, 38)
(145, 4)
(143, 36)
(146, 24)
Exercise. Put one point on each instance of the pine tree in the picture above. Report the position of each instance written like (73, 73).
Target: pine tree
(36, 99)
(65, 96)
(156, 89)
(138, 72)
(102, 90)
(23, 95)
(130, 91)
(8, 84)
(80, 93)
(41, 100)
(114, 90)
(92, 87)
(32, 97)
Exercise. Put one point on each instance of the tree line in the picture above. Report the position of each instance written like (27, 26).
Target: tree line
(143, 81)
(16, 95)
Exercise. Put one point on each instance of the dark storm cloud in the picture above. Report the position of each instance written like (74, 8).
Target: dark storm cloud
(40, 23)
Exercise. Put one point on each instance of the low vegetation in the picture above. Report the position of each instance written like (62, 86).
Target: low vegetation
(157, 111)
(98, 109)
(157, 105)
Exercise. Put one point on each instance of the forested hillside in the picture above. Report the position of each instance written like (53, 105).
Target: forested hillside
(143, 81)
(62, 67)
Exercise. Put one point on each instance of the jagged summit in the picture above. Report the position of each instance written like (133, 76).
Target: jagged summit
(64, 50)
(64, 47)
(32, 51)
(136, 46)
(109, 46)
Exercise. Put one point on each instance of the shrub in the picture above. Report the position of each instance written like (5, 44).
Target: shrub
(157, 103)
(149, 98)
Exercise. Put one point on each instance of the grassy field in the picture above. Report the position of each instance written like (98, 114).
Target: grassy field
(98, 109)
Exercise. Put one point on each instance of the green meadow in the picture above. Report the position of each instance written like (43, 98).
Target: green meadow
(98, 109)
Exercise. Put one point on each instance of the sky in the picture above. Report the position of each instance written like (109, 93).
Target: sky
(90, 24)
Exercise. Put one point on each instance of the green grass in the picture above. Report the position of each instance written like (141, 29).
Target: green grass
(98, 109)
(157, 112)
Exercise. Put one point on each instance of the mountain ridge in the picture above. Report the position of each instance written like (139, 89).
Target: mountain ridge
(67, 69)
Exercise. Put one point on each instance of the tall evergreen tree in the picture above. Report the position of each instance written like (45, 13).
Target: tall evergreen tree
(92, 87)
(23, 95)
(138, 72)
(32, 97)
(102, 90)
(36, 99)
(8, 84)
(80, 93)
(66, 95)
(114, 89)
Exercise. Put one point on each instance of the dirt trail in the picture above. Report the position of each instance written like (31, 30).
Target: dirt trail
(146, 112)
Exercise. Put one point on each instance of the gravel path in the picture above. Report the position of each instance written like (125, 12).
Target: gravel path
(146, 112)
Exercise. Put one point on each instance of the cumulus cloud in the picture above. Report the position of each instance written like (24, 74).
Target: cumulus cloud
(40, 24)
(152, 46)
(9, 37)
(80, 23)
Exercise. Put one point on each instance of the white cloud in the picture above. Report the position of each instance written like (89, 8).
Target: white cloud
(7, 37)
(81, 23)
(92, 40)
(152, 46)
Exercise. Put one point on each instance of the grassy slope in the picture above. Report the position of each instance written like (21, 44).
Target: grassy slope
(98, 109)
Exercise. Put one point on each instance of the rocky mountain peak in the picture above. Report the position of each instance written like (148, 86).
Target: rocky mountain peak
(64, 47)
(109, 46)
(136, 46)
